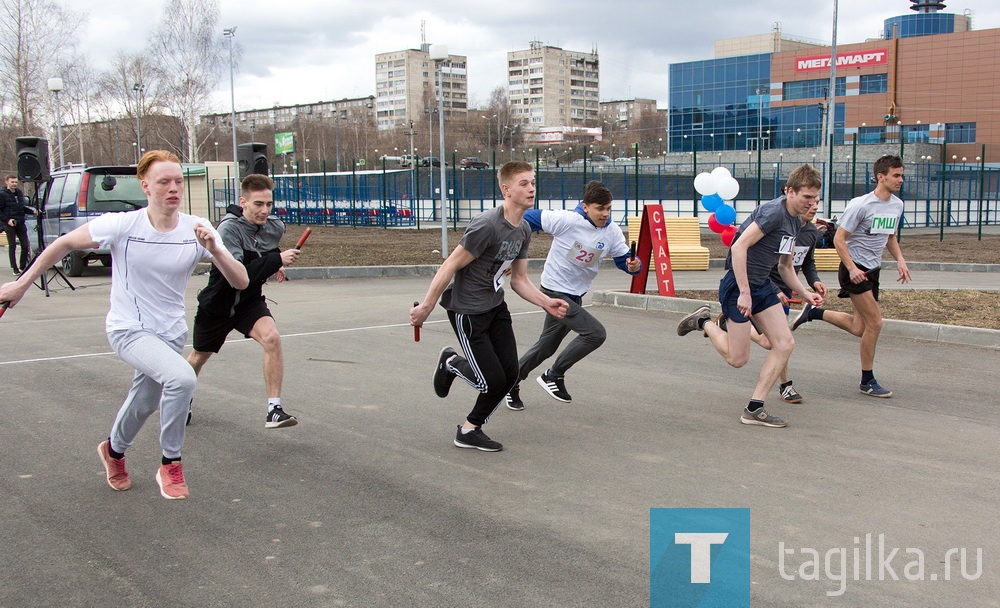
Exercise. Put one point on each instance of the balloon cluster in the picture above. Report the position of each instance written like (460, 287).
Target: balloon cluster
(715, 189)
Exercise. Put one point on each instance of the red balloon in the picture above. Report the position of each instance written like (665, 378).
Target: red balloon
(728, 234)
(714, 225)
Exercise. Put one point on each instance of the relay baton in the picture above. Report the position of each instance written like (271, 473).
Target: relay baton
(416, 328)
(3, 307)
(632, 250)
(302, 239)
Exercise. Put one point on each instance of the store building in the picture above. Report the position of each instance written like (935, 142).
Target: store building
(931, 78)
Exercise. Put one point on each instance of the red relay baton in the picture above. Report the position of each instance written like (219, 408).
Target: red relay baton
(302, 239)
(3, 307)
(416, 328)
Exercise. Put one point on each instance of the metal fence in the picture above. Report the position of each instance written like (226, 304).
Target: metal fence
(935, 195)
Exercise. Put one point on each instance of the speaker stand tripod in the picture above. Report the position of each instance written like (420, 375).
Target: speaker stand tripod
(43, 279)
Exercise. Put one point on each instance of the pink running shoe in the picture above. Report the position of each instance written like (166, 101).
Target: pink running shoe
(118, 477)
(171, 480)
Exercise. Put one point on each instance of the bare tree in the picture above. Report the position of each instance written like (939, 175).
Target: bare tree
(133, 88)
(34, 36)
(190, 49)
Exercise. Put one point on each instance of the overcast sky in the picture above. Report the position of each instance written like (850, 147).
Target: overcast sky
(314, 50)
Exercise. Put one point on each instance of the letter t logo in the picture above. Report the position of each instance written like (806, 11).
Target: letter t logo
(701, 552)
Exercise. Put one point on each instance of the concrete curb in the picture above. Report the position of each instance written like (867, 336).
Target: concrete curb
(927, 332)
(914, 266)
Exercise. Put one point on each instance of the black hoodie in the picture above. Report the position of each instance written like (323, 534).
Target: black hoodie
(257, 248)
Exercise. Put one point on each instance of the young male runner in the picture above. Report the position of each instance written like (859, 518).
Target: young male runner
(802, 258)
(867, 229)
(764, 240)
(494, 246)
(153, 252)
(581, 239)
(249, 233)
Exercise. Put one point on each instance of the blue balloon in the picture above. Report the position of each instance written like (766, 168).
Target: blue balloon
(725, 214)
(711, 202)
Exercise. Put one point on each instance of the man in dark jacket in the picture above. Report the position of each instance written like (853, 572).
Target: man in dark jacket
(252, 236)
(12, 211)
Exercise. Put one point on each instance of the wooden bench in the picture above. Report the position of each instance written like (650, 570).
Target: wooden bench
(826, 259)
(683, 239)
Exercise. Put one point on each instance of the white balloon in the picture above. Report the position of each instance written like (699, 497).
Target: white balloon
(729, 188)
(704, 183)
(719, 173)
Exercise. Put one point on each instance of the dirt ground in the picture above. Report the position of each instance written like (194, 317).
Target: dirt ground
(345, 246)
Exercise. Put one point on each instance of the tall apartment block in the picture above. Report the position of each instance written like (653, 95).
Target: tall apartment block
(549, 86)
(406, 82)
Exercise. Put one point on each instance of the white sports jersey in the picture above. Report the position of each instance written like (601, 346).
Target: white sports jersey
(149, 270)
(577, 250)
(870, 222)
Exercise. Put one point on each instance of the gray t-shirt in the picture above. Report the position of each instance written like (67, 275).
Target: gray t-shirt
(870, 222)
(495, 243)
(780, 229)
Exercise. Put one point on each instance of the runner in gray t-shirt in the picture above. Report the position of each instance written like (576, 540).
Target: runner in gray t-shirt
(867, 228)
(765, 240)
(494, 247)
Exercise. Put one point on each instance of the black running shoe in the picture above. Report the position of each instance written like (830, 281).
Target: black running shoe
(513, 399)
(802, 317)
(443, 377)
(554, 386)
(278, 419)
(476, 439)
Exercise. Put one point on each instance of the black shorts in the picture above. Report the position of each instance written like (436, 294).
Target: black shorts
(210, 331)
(869, 284)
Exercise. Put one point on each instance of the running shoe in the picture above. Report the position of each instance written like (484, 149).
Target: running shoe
(762, 418)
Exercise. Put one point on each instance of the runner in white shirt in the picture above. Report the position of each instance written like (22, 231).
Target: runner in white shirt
(154, 250)
(582, 238)
(867, 228)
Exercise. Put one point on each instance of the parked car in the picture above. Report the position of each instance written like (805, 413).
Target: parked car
(472, 162)
(431, 161)
(407, 160)
(624, 159)
(78, 194)
(600, 158)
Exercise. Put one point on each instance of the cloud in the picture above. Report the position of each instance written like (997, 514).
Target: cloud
(312, 50)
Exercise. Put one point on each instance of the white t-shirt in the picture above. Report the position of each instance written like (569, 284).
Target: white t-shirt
(149, 270)
(870, 222)
(577, 250)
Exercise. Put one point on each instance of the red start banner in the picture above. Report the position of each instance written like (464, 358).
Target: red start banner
(854, 59)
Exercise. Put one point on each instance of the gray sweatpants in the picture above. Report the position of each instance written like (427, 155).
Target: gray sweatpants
(163, 380)
(591, 336)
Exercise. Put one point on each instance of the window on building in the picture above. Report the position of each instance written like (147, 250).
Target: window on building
(812, 89)
(960, 132)
(871, 135)
(916, 133)
(874, 83)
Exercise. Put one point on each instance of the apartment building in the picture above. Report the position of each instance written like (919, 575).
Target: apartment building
(549, 86)
(406, 85)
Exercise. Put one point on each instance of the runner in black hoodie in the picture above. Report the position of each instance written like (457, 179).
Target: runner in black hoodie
(252, 236)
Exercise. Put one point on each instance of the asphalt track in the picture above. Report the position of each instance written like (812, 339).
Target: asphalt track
(368, 503)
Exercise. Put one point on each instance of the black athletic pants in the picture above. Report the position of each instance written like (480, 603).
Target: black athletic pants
(15, 234)
(490, 362)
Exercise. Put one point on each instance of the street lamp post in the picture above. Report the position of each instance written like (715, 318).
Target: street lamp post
(336, 137)
(216, 151)
(56, 85)
(230, 33)
(138, 89)
(439, 54)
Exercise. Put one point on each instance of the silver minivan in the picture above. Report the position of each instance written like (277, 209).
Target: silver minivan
(77, 194)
